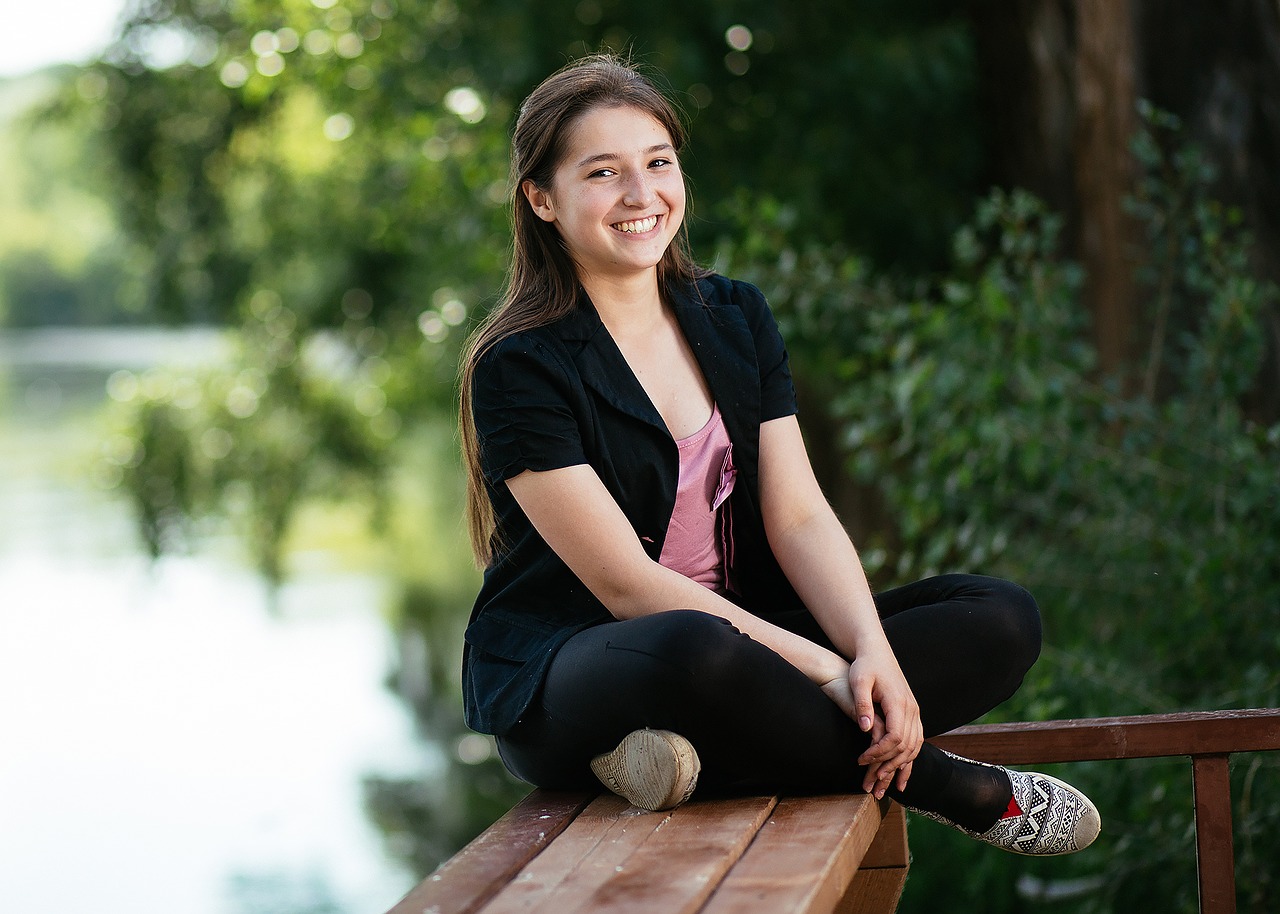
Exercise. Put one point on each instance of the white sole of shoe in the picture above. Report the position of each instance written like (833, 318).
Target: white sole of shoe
(651, 769)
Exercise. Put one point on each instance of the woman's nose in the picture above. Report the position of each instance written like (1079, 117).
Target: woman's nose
(639, 191)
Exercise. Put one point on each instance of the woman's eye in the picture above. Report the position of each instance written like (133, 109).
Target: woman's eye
(602, 173)
(659, 163)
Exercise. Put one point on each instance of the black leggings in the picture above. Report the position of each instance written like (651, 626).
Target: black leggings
(964, 643)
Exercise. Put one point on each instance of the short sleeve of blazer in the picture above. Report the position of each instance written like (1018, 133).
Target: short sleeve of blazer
(521, 405)
(777, 391)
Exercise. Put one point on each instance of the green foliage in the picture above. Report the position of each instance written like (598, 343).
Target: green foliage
(62, 259)
(1144, 520)
(253, 440)
(319, 148)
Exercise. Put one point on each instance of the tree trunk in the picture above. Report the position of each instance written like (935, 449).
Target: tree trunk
(1217, 66)
(1026, 92)
(1105, 123)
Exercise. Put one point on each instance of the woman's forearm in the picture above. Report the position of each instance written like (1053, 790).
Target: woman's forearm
(822, 564)
(583, 524)
(810, 544)
(652, 588)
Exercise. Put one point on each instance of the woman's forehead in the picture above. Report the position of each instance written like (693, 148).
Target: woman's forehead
(614, 130)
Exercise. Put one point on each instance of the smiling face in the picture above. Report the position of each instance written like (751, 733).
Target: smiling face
(617, 197)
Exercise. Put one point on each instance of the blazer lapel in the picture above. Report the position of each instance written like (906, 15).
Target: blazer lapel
(602, 366)
(722, 343)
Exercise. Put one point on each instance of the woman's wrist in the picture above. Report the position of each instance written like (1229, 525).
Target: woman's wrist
(871, 643)
(829, 667)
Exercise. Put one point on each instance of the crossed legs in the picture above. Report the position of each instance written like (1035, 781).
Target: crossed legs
(964, 643)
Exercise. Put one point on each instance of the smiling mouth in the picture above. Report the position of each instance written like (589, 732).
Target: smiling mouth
(638, 226)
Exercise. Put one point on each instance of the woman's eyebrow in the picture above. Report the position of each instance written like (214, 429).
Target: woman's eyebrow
(610, 156)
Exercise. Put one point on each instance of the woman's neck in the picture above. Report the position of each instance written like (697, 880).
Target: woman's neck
(626, 305)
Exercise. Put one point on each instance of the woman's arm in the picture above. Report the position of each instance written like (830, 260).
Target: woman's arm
(821, 563)
(573, 511)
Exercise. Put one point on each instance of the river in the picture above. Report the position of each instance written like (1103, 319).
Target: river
(169, 740)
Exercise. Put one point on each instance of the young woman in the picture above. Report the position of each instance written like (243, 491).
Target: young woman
(668, 599)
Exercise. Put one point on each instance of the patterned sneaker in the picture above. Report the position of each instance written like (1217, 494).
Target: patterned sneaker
(1051, 817)
(652, 769)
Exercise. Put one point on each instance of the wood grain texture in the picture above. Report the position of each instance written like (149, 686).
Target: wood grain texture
(615, 858)
(874, 891)
(803, 858)
(890, 845)
(462, 884)
(1090, 739)
(1215, 854)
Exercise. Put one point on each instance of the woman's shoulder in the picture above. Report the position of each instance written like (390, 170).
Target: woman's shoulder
(734, 299)
(718, 290)
(541, 343)
(522, 360)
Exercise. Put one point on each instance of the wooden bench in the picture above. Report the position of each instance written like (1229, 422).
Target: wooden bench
(562, 853)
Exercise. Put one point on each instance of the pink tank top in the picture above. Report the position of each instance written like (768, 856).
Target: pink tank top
(697, 543)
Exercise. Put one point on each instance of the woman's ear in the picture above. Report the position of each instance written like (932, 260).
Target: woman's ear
(539, 201)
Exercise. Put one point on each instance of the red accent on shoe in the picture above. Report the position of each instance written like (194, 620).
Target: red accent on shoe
(1013, 811)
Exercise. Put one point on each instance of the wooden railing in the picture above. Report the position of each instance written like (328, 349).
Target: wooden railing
(1209, 738)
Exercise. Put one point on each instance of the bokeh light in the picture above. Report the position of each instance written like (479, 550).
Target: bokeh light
(234, 74)
(338, 127)
(466, 103)
(738, 37)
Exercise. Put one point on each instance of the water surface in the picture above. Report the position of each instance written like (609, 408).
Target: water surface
(168, 741)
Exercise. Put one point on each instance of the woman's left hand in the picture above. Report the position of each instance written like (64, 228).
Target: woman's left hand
(897, 734)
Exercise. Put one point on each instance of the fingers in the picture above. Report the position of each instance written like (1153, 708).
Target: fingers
(885, 744)
(895, 742)
(874, 764)
(904, 774)
(878, 779)
(886, 710)
(864, 705)
(896, 771)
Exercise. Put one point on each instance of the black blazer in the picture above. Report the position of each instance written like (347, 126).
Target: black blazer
(563, 395)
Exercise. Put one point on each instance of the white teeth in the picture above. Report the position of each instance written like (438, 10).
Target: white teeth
(638, 226)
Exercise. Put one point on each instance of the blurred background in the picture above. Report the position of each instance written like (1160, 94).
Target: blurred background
(1024, 253)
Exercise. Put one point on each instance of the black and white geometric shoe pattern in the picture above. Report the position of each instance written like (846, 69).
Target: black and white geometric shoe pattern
(1056, 817)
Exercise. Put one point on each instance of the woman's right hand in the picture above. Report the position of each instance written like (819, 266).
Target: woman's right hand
(890, 755)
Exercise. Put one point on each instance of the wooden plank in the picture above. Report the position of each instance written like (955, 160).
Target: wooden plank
(1150, 736)
(471, 877)
(877, 886)
(874, 891)
(687, 860)
(604, 829)
(803, 858)
(1215, 857)
(890, 845)
(616, 858)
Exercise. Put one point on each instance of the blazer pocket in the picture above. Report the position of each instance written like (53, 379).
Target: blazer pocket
(511, 635)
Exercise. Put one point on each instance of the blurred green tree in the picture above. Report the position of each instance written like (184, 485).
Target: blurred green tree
(319, 147)
(62, 257)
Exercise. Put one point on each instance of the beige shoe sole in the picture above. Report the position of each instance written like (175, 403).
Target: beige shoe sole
(651, 769)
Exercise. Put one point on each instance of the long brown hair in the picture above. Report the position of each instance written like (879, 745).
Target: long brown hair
(542, 284)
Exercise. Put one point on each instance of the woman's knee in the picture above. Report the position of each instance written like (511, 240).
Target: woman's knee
(693, 642)
(1013, 622)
